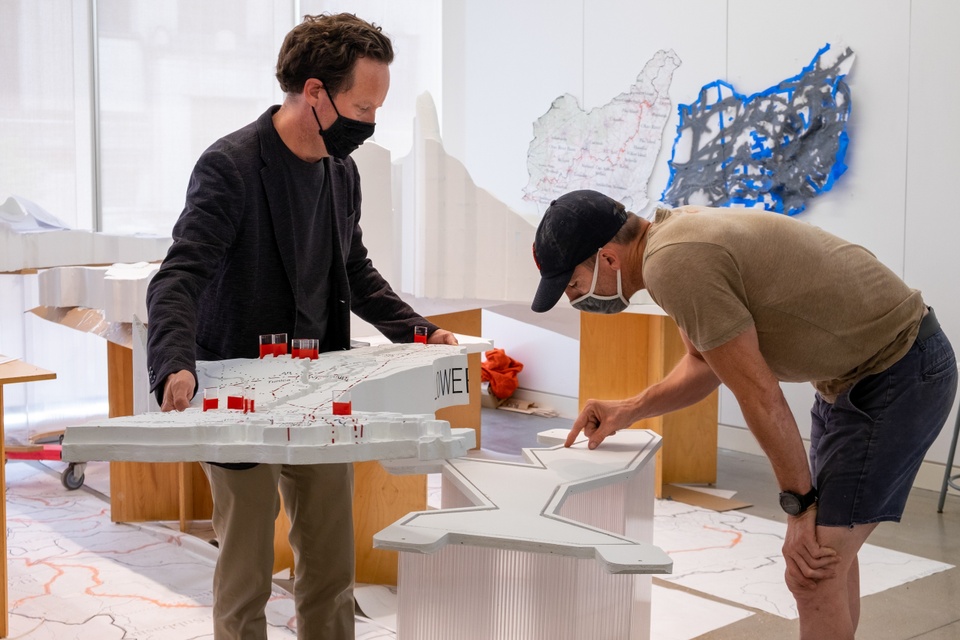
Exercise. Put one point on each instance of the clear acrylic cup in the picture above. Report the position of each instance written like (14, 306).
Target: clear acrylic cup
(279, 344)
(266, 345)
(234, 397)
(420, 335)
(211, 398)
(342, 402)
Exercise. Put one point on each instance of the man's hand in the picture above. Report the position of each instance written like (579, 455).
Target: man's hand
(600, 419)
(442, 336)
(178, 391)
(807, 562)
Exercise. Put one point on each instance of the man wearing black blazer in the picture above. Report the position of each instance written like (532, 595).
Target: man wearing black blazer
(269, 241)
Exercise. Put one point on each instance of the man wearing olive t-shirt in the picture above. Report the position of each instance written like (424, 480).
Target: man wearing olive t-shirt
(761, 298)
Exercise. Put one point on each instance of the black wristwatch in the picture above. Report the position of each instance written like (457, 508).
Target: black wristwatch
(794, 504)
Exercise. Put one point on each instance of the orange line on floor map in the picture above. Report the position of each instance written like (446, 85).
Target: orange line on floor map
(737, 539)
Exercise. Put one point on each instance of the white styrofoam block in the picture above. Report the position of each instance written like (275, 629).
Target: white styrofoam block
(49, 287)
(380, 226)
(72, 287)
(458, 241)
(42, 249)
(111, 248)
(120, 290)
(93, 287)
(477, 247)
(58, 247)
(11, 258)
(125, 291)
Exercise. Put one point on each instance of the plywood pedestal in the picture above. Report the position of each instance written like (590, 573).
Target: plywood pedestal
(623, 354)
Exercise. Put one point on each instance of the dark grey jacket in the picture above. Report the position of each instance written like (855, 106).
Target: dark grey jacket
(231, 272)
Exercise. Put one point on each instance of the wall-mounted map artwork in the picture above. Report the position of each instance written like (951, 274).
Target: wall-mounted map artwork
(612, 148)
(777, 148)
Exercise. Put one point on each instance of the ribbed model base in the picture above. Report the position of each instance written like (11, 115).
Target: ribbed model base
(478, 593)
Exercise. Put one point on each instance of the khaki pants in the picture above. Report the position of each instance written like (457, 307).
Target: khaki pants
(319, 502)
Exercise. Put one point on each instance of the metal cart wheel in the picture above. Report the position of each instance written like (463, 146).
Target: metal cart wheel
(70, 478)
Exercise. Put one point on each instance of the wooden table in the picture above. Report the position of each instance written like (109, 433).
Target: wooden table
(623, 354)
(10, 373)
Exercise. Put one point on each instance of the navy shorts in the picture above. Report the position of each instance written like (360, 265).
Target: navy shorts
(866, 448)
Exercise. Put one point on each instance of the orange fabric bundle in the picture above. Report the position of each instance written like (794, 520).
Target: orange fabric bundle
(500, 370)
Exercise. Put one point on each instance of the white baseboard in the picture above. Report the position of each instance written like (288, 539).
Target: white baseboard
(566, 406)
(929, 477)
(738, 439)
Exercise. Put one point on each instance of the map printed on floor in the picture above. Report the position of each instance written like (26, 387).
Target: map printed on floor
(612, 148)
(776, 149)
(395, 390)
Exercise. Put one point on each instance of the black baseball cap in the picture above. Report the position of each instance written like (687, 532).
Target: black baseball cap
(575, 226)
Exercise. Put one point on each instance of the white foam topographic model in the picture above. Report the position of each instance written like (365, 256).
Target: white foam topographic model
(395, 390)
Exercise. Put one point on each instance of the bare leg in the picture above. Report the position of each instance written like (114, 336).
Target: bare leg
(831, 609)
(853, 592)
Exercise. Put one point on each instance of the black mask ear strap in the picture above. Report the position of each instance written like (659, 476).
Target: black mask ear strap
(332, 103)
(335, 110)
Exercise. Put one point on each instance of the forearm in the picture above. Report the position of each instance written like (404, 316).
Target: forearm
(690, 381)
(687, 383)
(772, 423)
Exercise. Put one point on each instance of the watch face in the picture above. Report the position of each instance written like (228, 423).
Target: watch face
(790, 503)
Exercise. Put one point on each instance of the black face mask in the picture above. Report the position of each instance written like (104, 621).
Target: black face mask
(344, 136)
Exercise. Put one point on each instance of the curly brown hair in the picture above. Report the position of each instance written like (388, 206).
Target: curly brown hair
(326, 47)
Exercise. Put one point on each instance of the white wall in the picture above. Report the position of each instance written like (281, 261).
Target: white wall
(505, 62)
(536, 345)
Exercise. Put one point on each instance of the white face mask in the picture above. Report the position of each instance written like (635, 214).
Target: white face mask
(592, 303)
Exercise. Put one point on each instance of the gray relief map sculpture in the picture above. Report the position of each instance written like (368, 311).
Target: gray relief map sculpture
(777, 148)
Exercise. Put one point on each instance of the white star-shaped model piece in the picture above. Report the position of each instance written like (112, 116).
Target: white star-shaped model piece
(518, 505)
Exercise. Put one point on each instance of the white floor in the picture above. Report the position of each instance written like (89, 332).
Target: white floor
(75, 574)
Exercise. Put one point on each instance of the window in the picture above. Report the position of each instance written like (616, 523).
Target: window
(174, 77)
(45, 107)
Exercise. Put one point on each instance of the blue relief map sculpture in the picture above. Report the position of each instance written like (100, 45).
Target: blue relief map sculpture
(777, 148)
